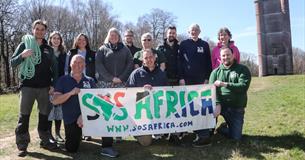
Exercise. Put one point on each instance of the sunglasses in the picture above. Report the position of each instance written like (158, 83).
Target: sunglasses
(146, 40)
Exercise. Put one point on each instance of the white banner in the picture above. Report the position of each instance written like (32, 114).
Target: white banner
(113, 112)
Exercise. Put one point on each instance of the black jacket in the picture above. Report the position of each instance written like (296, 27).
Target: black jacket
(46, 72)
(171, 55)
(133, 49)
(90, 61)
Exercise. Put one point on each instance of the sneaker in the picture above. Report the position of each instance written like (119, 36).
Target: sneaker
(109, 152)
(87, 138)
(201, 142)
(52, 139)
(48, 145)
(22, 153)
(157, 136)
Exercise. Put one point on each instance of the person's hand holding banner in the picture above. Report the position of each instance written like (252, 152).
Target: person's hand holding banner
(217, 110)
(147, 87)
(80, 121)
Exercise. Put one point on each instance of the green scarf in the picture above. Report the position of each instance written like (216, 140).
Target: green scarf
(27, 67)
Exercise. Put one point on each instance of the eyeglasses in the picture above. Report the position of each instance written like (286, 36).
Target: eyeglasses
(128, 35)
(146, 40)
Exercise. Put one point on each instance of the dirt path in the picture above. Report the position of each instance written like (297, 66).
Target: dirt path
(8, 149)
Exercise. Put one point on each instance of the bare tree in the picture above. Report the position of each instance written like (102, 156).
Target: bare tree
(250, 60)
(156, 22)
(298, 61)
(98, 20)
(8, 11)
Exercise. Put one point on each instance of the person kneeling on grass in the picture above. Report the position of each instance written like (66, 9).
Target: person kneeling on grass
(232, 81)
(66, 91)
(147, 76)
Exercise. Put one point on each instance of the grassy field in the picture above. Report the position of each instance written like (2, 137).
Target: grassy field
(274, 129)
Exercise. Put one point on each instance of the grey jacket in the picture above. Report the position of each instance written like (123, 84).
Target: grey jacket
(110, 63)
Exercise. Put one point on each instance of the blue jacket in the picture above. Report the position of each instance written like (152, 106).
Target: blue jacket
(194, 60)
(141, 76)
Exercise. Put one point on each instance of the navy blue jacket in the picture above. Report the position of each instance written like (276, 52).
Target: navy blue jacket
(194, 60)
(142, 75)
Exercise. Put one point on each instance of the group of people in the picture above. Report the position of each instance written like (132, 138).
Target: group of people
(53, 77)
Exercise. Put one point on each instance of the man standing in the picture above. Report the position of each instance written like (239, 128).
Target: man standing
(37, 71)
(65, 93)
(232, 81)
(194, 62)
(128, 37)
(170, 50)
(194, 59)
(147, 76)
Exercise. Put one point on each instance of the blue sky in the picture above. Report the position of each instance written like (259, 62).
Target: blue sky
(237, 15)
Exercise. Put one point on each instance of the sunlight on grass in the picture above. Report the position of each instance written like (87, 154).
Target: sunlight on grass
(163, 155)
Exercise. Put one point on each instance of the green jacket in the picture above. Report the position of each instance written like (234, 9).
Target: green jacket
(238, 78)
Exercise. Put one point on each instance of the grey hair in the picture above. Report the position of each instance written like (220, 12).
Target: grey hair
(77, 56)
(145, 35)
(115, 31)
(194, 26)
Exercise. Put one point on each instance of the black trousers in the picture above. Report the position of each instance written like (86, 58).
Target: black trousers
(73, 135)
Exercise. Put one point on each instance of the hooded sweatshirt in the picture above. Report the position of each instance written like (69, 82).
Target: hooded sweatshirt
(238, 78)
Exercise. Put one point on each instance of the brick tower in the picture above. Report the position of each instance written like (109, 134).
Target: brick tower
(274, 37)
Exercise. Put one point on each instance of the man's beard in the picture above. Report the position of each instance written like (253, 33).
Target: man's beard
(171, 39)
(228, 63)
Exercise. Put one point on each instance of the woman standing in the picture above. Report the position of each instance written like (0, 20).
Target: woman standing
(113, 66)
(224, 37)
(81, 46)
(56, 42)
(113, 61)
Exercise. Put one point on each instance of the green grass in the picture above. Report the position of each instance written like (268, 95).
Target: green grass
(9, 110)
(274, 129)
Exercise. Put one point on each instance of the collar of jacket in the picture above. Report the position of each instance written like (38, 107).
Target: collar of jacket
(175, 42)
(116, 47)
(224, 68)
(149, 71)
(231, 44)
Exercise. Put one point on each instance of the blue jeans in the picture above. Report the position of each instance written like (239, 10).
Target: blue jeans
(234, 118)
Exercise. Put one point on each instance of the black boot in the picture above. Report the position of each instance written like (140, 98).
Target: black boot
(44, 133)
(22, 134)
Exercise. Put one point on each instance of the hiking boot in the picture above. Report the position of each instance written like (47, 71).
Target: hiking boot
(109, 152)
(201, 142)
(22, 153)
(48, 145)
